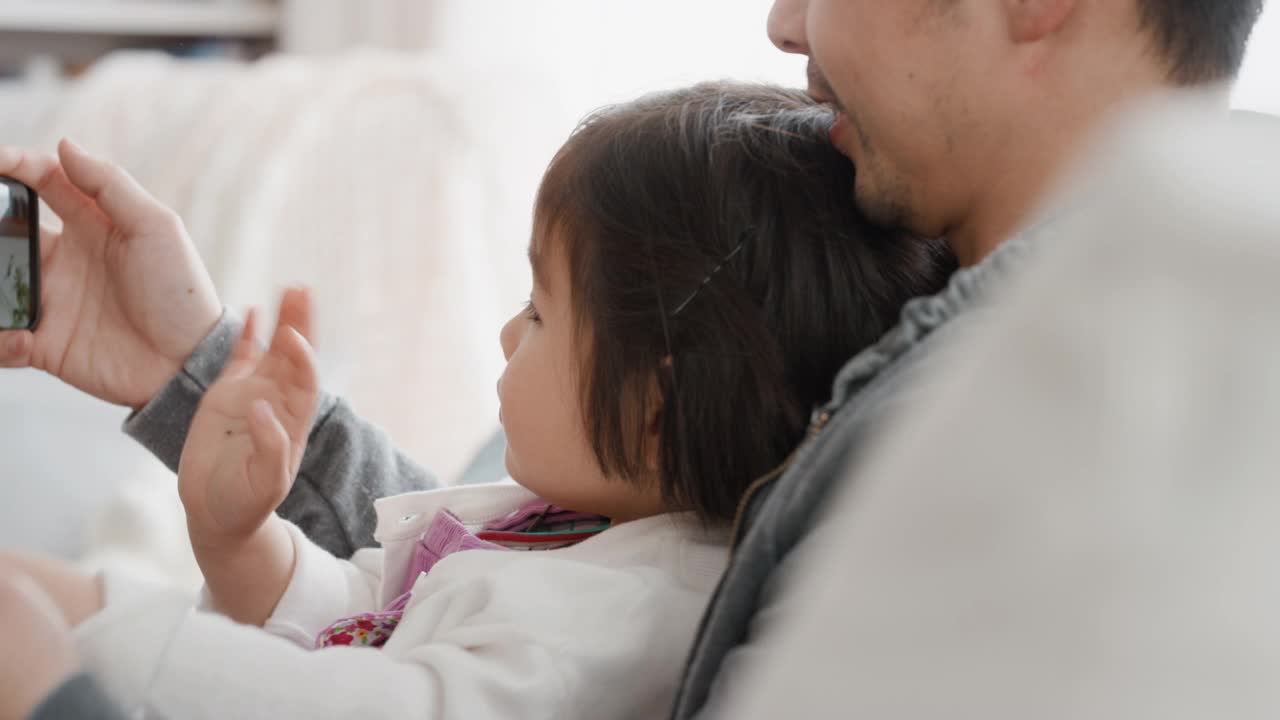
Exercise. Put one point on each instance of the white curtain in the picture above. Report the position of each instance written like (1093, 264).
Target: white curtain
(532, 69)
(315, 26)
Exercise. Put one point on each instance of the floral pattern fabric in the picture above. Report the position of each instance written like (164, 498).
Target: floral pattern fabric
(536, 525)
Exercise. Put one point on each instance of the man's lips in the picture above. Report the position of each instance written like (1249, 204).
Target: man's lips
(821, 92)
(821, 95)
(819, 89)
(839, 128)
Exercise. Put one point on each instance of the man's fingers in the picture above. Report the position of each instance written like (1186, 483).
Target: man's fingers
(296, 311)
(121, 198)
(269, 470)
(15, 348)
(43, 173)
(23, 600)
(39, 654)
(49, 237)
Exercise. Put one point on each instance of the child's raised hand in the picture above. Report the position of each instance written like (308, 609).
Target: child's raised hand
(248, 436)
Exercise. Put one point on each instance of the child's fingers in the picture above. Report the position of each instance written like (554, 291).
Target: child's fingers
(245, 354)
(302, 358)
(299, 383)
(269, 472)
(292, 361)
(296, 311)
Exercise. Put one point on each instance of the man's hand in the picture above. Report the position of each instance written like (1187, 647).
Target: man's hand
(38, 654)
(77, 594)
(124, 297)
(240, 460)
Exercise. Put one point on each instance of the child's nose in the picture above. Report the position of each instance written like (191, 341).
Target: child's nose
(507, 338)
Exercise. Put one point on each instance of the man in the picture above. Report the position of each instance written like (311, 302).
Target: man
(1076, 518)
(959, 114)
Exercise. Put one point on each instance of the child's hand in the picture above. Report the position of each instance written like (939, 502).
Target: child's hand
(248, 436)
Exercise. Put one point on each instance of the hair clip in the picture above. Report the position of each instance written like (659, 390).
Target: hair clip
(727, 258)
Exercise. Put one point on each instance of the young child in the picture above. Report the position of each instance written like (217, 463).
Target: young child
(699, 276)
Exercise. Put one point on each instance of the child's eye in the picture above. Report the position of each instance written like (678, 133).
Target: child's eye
(531, 312)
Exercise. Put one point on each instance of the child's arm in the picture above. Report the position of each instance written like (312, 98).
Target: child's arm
(542, 638)
(157, 658)
(238, 464)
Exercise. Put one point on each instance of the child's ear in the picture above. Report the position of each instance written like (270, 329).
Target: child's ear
(1034, 20)
(655, 407)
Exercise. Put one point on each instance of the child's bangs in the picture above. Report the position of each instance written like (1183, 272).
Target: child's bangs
(560, 223)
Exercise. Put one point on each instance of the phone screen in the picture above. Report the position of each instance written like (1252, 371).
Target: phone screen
(19, 256)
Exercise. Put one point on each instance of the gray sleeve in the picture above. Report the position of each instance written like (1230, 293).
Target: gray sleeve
(347, 465)
(79, 697)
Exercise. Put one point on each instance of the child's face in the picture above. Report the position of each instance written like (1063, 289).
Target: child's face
(547, 447)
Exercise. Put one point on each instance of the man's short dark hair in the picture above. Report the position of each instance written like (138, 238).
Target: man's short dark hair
(1203, 40)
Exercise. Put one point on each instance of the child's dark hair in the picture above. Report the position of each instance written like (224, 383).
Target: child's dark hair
(713, 245)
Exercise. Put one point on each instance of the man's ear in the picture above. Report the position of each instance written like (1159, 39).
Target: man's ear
(1033, 20)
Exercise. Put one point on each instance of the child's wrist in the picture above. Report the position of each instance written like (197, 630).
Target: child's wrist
(230, 551)
(214, 542)
(247, 577)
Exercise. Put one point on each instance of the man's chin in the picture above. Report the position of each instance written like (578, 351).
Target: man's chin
(878, 208)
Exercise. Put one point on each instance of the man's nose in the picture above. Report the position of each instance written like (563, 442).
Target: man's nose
(786, 26)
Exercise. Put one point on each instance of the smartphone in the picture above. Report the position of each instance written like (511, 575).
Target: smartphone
(19, 256)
